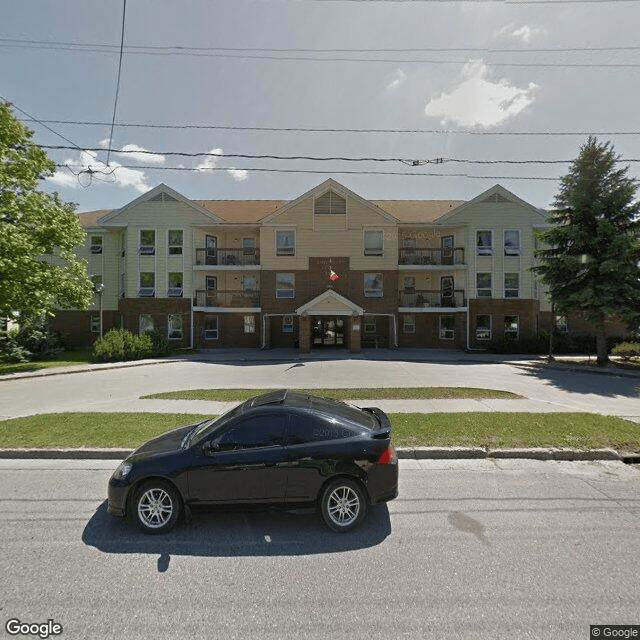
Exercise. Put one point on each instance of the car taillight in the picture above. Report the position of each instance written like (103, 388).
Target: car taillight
(388, 456)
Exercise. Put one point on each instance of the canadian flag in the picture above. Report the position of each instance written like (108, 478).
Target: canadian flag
(333, 276)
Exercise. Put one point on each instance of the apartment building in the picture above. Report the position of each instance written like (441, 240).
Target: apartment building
(329, 269)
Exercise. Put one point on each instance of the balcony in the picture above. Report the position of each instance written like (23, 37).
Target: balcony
(423, 299)
(227, 257)
(435, 256)
(217, 298)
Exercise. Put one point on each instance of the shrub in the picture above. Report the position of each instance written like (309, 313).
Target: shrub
(35, 336)
(161, 346)
(119, 344)
(10, 349)
(626, 350)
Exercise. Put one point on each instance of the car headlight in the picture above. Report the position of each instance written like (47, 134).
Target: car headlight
(122, 471)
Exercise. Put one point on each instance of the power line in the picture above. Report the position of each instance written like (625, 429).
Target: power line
(115, 102)
(472, 132)
(246, 156)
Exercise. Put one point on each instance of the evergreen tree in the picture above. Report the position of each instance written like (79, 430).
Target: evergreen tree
(38, 232)
(591, 254)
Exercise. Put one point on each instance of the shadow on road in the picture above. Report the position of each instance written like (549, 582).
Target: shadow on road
(588, 382)
(225, 532)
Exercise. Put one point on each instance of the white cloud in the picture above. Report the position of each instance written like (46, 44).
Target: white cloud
(477, 101)
(397, 79)
(524, 33)
(210, 162)
(88, 169)
(140, 154)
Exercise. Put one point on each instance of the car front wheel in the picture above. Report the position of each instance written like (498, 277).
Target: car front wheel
(343, 505)
(156, 506)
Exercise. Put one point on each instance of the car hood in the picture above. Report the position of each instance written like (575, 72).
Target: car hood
(164, 443)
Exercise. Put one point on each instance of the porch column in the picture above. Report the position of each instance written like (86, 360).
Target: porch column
(304, 334)
(355, 332)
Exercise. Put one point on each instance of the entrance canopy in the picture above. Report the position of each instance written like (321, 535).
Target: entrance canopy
(330, 303)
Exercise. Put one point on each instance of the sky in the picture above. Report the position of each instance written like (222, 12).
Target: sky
(444, 98)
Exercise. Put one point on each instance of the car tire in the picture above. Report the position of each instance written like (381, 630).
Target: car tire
(343, 504)
(156, 506)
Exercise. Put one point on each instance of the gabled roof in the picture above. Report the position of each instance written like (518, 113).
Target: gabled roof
(242, 211)
(333, 185)
(495, 194)
(111, 219)
(325, 299)
(92, 218)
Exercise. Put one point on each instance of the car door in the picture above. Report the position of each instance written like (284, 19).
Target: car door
(245, 463)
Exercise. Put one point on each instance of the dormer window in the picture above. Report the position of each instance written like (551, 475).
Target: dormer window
(147, 246)
(330, 203)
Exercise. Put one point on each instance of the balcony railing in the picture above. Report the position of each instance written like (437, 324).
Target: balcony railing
(426, 299)
(227, 299)
(227, 257)
(437, 256)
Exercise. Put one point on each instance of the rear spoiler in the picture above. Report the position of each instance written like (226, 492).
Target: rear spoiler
(383, 430)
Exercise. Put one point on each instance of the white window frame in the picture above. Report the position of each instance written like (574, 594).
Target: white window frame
(285, 250)
(146, 249)
(287, 324)
(482, 249)
(484, 333)
(512, 250)
(445, 333)
(96, 247)
(512, 291)
(370, 325)
(249, 323)
(489, 288)
(408, 323)
(175, 291)
(148, 291)
(171, 247)
(510, 333)
(370, 292)
(286, 293)
(144, 321)
(211, 334)
(374, 251)
(175, 332)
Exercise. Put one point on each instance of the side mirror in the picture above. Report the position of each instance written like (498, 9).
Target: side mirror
(210, 447)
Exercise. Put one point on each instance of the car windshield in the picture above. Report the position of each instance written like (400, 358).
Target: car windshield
(343, 410)
(203, 429)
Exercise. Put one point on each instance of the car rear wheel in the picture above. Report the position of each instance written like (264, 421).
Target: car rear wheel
(156, 506)
(343, 505)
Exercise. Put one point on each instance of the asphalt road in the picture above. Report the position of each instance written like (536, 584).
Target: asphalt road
(546, 389)
(471, 549)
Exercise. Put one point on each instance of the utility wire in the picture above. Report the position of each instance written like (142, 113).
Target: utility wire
(115, 102)
(447, 132)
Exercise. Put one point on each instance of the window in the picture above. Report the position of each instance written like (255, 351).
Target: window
(484, 243)
(249, 324)
(287, 324)
(95, 323)
(147, 245)
(560, 323)
(409, 284)
(330, 203)
(483, 285)
(512, 242)
(447, 327)
(257, 431)
(373, 243)
(511, 327)
(176, 241)
(175, 288)
(96, 244)
(370, 325)
(211, 282)
(145, 323)
(483, 327)
(174, 324)
(147, 284)
(249, 284)
(511, 285)
(286, 243)
(249, 246)
(211, 327)
(408, 324)
(373, 285)
(285, 285)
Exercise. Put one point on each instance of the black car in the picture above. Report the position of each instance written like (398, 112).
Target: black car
(279, 447)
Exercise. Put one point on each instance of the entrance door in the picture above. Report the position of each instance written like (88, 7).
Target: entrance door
(211, 243)
(328, 332)
(446, 243)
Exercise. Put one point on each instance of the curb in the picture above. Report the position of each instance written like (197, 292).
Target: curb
(405, 453)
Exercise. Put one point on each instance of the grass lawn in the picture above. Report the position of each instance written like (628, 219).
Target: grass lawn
(80, 356)
(579, 430)
(391, 393)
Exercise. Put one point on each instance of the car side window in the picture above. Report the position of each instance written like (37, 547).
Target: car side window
(304, 428)
(266, 430)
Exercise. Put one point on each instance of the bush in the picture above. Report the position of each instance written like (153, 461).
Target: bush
(161, 346)
(35, 336)
(626, 350)
(10, 349)
(119, 344)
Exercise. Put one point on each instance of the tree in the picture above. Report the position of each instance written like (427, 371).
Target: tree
(39, 271)
(590, 262)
